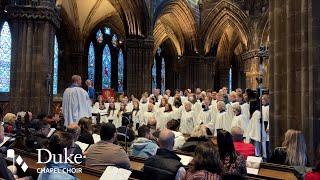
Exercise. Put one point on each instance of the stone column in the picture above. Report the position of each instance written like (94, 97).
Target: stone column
(294, 70)
(33, 29)
(139, 61)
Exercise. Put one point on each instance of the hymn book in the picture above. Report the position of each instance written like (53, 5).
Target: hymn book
(253, 164)
(52, 130)
(115, 173)
(185, 160)
(96, 138)
(83, 146)
(5, 139)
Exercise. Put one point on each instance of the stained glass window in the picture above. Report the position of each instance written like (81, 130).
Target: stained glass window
(99, 36)
(120, 71)
(154, 74)
(114, 40)
(5, 58)
(107, 30)
(230, 80)
(106, 68)
(91, 62)
(163, 76)
(55, 66)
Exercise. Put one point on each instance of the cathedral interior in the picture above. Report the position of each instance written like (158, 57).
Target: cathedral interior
(133, 46)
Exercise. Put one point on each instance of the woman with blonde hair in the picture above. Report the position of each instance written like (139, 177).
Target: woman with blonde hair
(199, 134)
(293, 151)
(9, 120)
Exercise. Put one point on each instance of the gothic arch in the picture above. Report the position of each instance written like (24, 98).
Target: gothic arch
(174, 19)
(224, 14)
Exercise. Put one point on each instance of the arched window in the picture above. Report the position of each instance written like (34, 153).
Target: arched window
(114, 40)
(99, 37)
(120, 71)
(5, 58)
(163, 76)
(91, 62)
(230, 80)
(55, 66)
(154, 74)
(106, 68)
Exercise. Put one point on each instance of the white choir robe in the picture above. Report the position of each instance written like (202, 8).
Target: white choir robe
(163, 118)
(265, 118)
(204, 117)
(145, 117)
(143, 107)
(170, 100)
(183, 99)
(112, 116)
(223, 121)
(129, 107)
(179, 140)
(76, 104)
(241, 122)
(187, 122)
(229, 110)
(196, 107)
(102, 112)
(245, 110)
(254, 133)
(136, 118)
(176, 112)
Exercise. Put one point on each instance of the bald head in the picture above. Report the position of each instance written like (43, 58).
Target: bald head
(76, 79)
(166, 139)
(152, 121)
(74, 130)
(237, 133)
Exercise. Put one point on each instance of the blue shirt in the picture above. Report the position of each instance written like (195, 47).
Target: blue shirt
(91, 92)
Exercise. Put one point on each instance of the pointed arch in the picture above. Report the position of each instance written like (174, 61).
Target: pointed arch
(120, 71)
(106, 68)
(223, 15)
(55, 65)
(91, 62)
(5, 57)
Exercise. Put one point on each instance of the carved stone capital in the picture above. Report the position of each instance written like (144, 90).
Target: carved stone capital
(34, 13)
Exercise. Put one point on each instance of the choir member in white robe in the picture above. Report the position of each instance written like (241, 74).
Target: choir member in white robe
(118, 120)
(161, 107)
(164, 117)
(245, 107)
(265, 118)
(179, 139)
(127, 104)
(233, 99)
(170, 98)
(112, 114)
(239, 120)
(205, 115)
(147, 114)
(223, 120)
(102, 109)
(254, 132)
(76, 103)
(136, 114)
(188, 120)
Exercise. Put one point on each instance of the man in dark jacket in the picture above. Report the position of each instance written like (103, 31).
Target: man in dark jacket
(4, 171)
(165, 164)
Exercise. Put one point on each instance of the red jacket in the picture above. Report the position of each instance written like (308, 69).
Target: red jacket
(312, 176)
(244, 149)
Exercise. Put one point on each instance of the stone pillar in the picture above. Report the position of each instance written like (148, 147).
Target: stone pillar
(33, 29)
(139, 61)
(295, 70)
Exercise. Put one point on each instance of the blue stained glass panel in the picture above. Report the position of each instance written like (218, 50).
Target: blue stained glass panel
(120, 71)
(163, 75)
(106, 68)
(230, 80)
(5, 58)
(55, 66)
(154, 74)
(114, 40)
(91, 62)
(107, 30)
(99, 36)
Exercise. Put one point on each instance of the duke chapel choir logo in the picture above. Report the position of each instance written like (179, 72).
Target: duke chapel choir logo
(45, 156)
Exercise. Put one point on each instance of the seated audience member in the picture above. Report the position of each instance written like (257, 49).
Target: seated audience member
(199, 134)
(104, 153)
(125, 130)
(9, 120)
(233, 162)
(42, 131)
(293, 151)
(144, 146)
(74, 130)
(245, 149)
(165, 164)
(85, 136)
(179, 140)
(58, 142)
(206, 163)
(4, 171)
(152, 124)
(315, 174)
